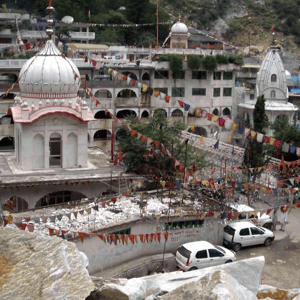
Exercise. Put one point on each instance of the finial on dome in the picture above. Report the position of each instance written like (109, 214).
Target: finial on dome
(50, 21)
(179, 18)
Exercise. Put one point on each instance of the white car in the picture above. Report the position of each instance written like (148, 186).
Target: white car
(202, 254)
(242, 234)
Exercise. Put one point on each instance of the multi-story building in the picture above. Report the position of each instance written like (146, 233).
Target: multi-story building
(36, 30)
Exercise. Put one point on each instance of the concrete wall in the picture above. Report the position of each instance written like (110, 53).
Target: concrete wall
(104, 255)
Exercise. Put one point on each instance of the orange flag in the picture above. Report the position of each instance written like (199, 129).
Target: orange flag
(166, 235)
(81, 236)
(282, 160)
(123, 238)
(158, 236)
(101, 236)
(152, 235)
(133, 133)
(147, 237)
(144, 138)
(30, 227)
(131, 237)
(193, 128)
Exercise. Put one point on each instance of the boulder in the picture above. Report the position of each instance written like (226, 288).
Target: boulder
(37, 267)
(267, 292)
(217, 285)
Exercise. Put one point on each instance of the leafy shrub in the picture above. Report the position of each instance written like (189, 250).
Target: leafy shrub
(221, 59)
(176, 62)
(236, 59)
(209, 63)
(194, 61)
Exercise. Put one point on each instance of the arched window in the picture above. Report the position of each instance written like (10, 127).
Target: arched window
(161, 110)
(102, 115)
(273, 78)
(124, 113)
(273, 94)
(102, 135)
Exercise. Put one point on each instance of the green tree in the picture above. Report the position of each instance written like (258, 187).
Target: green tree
(194, 61)
(209, 63)
(286, 133)
(158, 128)
(254, 154)
(176, 62)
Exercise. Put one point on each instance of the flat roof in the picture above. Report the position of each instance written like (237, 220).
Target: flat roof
(79, 46)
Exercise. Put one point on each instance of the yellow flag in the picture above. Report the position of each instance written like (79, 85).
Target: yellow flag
(229, 139)
(163, 183)
(265, 190)
(253, 134)
(201, 140)
(143, 121)
(287, 191)
(145, 88)
(272, 141)
(216, 118)
(234, 126)
(246, 187)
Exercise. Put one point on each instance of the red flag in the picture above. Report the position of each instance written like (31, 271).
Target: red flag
(116, 160)
(123, 238)
(273, 29)
(113, 200)
(158, 236)
(147, 237)
(142, 238)
(50, 3)
(81, 236)
(51, 231)
(6, 222)
(166, 235)
(194, 167)
(282, 160)
(97, 102)
(64, 231)
(101, 236)
(152, 235)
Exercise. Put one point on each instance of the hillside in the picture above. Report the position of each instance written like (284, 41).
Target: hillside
(239, 22)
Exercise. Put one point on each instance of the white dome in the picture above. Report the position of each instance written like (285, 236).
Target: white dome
(179, 27)
(49, 72)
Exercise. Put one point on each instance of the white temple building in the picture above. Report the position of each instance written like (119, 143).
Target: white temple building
(272, 83)
(51, 121)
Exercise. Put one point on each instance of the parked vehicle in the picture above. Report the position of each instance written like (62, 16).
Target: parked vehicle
(242, 234)
(202, 254)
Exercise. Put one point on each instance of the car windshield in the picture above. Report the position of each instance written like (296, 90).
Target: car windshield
(184, 252)
(220, 249)
(229, 230)
(261, 228)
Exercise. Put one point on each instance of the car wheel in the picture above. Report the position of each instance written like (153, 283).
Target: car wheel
(193, 269)
(267, 242)
(228, 261)
(237, 247)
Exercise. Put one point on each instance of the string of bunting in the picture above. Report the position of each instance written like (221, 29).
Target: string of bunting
(198, 112)
(144, 238)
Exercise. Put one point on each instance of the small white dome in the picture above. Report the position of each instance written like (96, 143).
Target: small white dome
(49, 72)
(179, 27)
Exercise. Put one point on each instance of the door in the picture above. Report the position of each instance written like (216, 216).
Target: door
(55, 150)
(245, 237)
(202, 259)
(216, 257)
(257, 236)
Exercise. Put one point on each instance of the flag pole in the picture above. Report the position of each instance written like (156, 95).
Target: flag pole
(156, 23)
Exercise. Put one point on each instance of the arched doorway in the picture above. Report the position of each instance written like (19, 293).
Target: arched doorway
(6, 120)
(7, 143)
(226, 111)
(126, 93)
(130, 74)
(102, 135)
(160, 110)
(215, 112)
(145, 114)
(124, 113)
(15, 204)
(103, 94)
(59, 197)
(55, 146)
(177, 113)
(146, 76)
(102, 115)
(200, 131)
